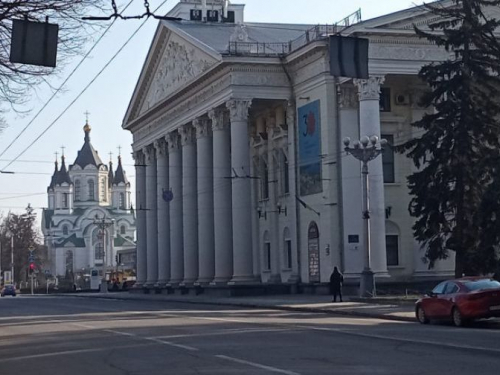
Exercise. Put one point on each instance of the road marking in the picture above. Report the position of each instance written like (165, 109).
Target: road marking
(171, 344)
(70, 352)
(257, 365)
(120, 333)
(400, 339)
(223, 332)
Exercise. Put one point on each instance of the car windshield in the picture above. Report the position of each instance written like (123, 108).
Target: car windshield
(481, 284)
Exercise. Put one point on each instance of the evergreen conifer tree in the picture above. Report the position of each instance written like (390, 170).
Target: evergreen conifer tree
(458, 154)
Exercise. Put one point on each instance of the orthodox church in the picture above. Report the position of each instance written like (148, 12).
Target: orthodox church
(89, 221)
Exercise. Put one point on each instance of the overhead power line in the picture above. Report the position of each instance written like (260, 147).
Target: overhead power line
(61, 86)
(84, 89)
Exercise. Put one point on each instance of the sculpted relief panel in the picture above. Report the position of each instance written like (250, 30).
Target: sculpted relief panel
(179, 64)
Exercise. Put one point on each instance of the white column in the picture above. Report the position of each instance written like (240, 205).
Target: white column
(163, 212)
(206, 249)
(152, 217)
(273, 214)
(241, 192)
(369, 119)
(223, 225)
(189, 204)
(140, 178)
(176, 228)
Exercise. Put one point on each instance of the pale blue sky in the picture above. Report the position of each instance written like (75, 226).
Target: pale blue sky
(108, 98)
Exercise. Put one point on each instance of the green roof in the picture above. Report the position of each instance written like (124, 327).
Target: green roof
(78, 242)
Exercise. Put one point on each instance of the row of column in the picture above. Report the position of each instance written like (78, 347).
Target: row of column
(194, 202)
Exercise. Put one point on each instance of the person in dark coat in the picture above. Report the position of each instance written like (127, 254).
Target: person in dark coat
(336, 281)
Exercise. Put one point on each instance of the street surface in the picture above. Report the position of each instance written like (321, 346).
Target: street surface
(50, 335)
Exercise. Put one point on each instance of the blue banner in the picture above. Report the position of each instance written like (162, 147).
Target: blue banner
(309, 128)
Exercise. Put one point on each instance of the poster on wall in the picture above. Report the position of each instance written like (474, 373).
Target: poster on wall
(313, 249)
(310, 148)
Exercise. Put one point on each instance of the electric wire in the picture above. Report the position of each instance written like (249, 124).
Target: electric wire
(82, 91)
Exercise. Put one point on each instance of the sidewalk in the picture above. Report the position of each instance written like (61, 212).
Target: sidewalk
(389, 310)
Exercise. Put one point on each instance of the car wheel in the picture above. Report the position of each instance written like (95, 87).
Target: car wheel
(421, 317)
(457, 317)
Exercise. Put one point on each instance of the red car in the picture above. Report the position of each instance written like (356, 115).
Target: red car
(461, 300)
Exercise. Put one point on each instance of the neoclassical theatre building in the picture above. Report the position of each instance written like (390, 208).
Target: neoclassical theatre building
(237, 135)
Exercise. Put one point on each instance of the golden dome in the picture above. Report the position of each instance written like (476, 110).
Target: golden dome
(87, 128)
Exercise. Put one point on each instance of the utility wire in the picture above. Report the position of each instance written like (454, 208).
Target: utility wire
(84, 89)
(61, 86)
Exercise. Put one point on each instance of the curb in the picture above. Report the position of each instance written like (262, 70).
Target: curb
(256, 306)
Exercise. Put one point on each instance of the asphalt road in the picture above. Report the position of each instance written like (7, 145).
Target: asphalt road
(80, 336)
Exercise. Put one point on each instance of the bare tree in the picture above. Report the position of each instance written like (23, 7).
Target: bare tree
(18, 80)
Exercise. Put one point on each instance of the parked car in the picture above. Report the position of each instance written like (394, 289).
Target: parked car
(461, 300)
(9, 290)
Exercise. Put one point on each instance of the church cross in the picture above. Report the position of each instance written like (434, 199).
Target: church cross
(110, 156)
(57, 154)
(86, 113)
(62, 148)
(119, 150)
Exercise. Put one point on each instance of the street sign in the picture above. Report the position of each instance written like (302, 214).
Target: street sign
(7, 276)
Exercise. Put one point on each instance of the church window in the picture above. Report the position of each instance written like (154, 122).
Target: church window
(103, 190)
(122, 201)
(123, 230)
(65, 202)
(98, 239)
(65, 230)
(91, 190)
(77, 190)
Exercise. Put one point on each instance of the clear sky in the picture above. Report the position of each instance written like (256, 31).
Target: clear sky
(107, 99)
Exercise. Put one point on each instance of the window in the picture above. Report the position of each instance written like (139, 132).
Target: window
(285, 175)
(103, 190)
(264, 180)
(65, 200)
(91, 190)
(77, 190)
(392, 249)
(451, 288)
(388, 160)
(65, 230)
(288, 250)
(267, 256)
(123, 230)
(482, 284)
(439, 289)
(122, 201)
(385, 99)
(98, 243)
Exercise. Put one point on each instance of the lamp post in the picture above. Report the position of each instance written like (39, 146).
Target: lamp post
(103, 224)
(365, 150)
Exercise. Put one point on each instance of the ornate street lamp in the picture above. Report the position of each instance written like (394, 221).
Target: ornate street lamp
(365, 150)
(103, 224)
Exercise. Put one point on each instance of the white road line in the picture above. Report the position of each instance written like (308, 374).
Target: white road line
(120, 333)
(223, 333)
(172, 344)
(409, 341)
(257, 365)
(70, 352)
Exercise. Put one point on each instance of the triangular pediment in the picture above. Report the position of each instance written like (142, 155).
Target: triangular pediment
(174, 60)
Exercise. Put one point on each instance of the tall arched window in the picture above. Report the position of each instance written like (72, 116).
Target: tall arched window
(102, 190)
(91, 190)
(287, 248)
(123, 230)
(65, 230)
(78, 189)
(98, 239)
(122, 201)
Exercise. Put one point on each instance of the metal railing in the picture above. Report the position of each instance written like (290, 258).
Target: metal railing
(278, 49)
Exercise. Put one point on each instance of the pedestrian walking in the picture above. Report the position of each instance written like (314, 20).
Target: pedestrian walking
(336, 281)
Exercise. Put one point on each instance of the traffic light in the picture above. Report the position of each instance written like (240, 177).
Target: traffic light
(32, 267)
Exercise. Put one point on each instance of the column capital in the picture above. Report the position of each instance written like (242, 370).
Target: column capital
(218, 117)
(173, 141)
(203, 127)
(138, 156)
(369, 89)
(149, 151)
(238, 109)
(160, 146)
(188, 135)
